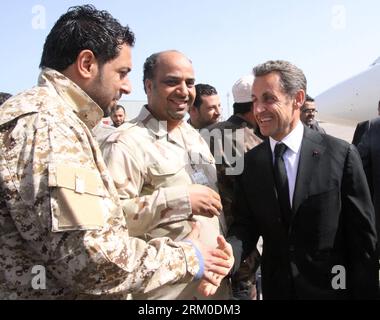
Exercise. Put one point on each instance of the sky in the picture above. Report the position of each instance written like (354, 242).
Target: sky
(329, 40)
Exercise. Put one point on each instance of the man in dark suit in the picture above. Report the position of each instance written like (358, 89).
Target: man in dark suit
(361, 128)
(369, 149)
(311, 203)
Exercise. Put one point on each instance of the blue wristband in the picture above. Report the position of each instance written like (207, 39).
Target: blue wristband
(200, 259)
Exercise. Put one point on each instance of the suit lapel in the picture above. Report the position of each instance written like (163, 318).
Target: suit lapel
(311, 152)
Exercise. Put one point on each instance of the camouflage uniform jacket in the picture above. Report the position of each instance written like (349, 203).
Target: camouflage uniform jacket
(101, 131)
(152, 169)
(229, 148)
(60, 210)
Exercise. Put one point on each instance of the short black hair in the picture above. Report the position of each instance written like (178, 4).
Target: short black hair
(117, 107)
(80, 28)
(202, 89)
(4, 96)
(242, 107)
(149, 67)
(309, 99)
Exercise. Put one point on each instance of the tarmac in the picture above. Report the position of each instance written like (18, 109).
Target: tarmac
(340, 131)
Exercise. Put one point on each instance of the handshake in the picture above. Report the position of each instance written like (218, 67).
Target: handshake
(217, 262)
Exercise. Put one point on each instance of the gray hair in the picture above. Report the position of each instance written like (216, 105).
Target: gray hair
(292, 79)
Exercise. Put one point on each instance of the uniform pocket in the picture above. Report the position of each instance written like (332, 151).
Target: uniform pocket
(77, 198)
(166, 174)
(165, 169)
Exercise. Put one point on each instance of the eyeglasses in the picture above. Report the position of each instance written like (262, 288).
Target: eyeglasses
(309, 111)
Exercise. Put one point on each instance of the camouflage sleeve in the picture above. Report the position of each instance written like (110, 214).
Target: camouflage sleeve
(87, 256)
(126, 163)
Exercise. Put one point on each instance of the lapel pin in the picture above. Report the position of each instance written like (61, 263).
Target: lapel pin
(315, 153)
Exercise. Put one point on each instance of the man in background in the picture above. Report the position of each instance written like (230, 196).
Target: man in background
(361, 128)
(369, 149)
(229, 141)
(308, 112)
(104, 128)
(206, 109)
(118, 116)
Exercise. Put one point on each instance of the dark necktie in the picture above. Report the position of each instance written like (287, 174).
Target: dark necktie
(281, 181)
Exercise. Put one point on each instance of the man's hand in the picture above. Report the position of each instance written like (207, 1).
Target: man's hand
(217, 262)
(204, 201)
(208, 288)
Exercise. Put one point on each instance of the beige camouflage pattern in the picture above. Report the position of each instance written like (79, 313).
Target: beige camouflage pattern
(152, 170)
(59, 207)
(101, 131)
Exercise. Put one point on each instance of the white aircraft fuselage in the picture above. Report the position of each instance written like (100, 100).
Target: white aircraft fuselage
(353, 100)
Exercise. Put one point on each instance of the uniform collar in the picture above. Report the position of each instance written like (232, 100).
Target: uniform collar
(159, 128)
(74, 97)
(41, 98)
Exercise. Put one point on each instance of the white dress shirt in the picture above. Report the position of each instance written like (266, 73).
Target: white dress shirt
(291, 156)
